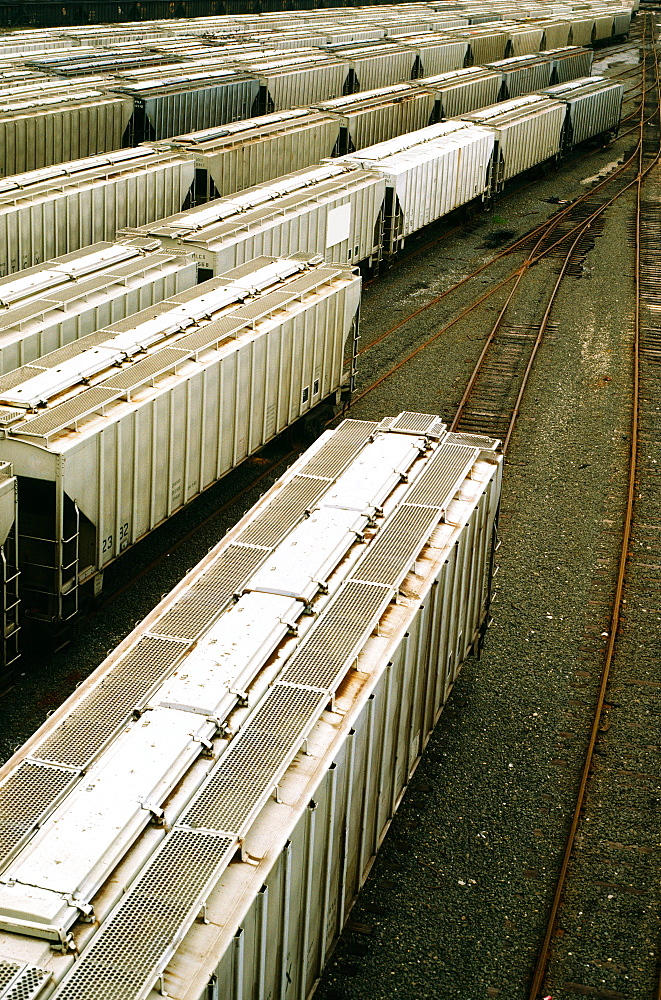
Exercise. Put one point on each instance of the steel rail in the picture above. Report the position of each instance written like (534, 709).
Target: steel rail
(541, 967)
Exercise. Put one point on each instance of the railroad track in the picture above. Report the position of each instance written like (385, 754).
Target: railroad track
(602, 934)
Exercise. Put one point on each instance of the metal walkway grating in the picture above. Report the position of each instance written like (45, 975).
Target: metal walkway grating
(442, 476)
(28, 985)
(142, 934)
(255, 760)
(389, 556)
(96, 717)
(344, 445)
(142, 371)
(27, 796)
(199, 607)
(66, 414)
(418, 423)
(334, 643)
(284, 511)
(8, 971)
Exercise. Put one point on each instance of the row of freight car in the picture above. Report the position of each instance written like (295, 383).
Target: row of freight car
(61, 208)
(60, 104)
(124, 422)
(197, 819)
(42, 130)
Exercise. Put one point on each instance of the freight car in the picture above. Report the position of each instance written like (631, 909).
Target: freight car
(48, 212)
(360, 208)
(55, 303)
(245, 749)
(111, 435)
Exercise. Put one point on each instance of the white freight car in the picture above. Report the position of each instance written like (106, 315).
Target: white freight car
(435, 53)
(289, 82)
(172, 100)
(428, 174)
(524, 74)
(376, 115)
(570, 62)
(10, 614)
(42, 127)
(307, 657)
(528, 131)
(594, 107)
(48, 212)
(334, 210)
(231, 157)
(55, 303)
(375, 64)
(116, 432)
(463, 90)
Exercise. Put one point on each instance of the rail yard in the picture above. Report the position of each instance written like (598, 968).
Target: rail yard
(331, 619)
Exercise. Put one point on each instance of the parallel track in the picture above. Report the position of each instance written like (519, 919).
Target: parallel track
(577, 866)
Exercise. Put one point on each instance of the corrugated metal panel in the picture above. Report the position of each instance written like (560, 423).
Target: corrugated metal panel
(202, 107)
(525, 39)
(33, 136)
(290, 88)
(556, 33)
(581, 30)
(571, 63)
(262, 150)
(524, 74)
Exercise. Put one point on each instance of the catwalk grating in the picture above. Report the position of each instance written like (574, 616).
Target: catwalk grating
(389, 557)
(72, 350)
(97, 716)
(197, 608)
(344, 445)
(255, 760)
(28, 985)
(139, 938)
(26, 797)
(333, 644)
(441, 477)
(8, 971)
(18, 376)
(209, 336)
(143, 371)
(418, 423)
(284, 511)
(66, 414)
